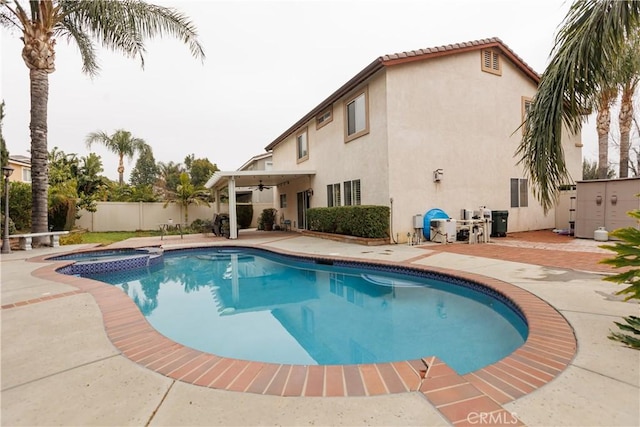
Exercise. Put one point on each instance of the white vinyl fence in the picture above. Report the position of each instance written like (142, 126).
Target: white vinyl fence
(132, 216)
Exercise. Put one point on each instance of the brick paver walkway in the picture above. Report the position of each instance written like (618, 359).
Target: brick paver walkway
(540, 248)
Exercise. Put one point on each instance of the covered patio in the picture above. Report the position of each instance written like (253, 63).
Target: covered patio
(238, 179)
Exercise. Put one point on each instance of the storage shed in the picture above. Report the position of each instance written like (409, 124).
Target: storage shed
(605, 203)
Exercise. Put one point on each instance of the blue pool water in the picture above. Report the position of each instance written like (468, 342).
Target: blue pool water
(255, 305)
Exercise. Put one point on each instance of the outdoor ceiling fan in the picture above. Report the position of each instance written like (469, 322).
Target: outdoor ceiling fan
(261, 186)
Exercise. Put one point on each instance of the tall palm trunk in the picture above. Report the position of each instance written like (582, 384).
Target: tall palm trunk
(121, 169)
(603, 125)
(603, 120)
(39, 56)
(39, 166)
(625, 119)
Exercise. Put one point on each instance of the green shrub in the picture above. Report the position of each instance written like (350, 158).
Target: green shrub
(71, 239)
(628, 258)
(360, 221)
(12, 226)
(267, 219)
(245, 215)
(19, 205)
(62, 215)
(202, 225)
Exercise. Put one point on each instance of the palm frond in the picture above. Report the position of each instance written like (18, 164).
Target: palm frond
(85, 45)
(9, 17)
(633, 326)
(124, 26)
(591, 36)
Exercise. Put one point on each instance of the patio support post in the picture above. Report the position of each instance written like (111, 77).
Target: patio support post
(233, 217)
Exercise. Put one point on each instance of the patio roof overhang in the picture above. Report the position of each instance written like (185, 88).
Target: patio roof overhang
(235, 179)
(220, 179)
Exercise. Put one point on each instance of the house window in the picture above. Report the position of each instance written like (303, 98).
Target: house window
(352, 192)
(26, 175)
(302, 145)
(333, 195)
(324, 118)
(268, 166)
(524, 109)
(491, 62)
(283, 201)
(519, 192)
(356, 116)
(526, 106)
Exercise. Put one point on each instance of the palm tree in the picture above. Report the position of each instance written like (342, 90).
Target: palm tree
(593, 33)
(590, 171)
(629, 78)
(169, 175)
(187, 194)
(121, 26)
(121, 143)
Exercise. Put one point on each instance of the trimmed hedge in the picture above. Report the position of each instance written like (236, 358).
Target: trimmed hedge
(245, 215)
(361, 221)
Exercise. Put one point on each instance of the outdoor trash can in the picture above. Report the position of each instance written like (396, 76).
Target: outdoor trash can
(499, 224)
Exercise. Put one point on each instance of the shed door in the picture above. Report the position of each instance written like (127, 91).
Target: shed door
(620, 199)
(591, 198)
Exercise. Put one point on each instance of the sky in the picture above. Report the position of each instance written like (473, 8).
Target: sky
(268, 63)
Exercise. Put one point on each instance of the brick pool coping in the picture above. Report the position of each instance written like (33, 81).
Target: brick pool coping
(550, 347)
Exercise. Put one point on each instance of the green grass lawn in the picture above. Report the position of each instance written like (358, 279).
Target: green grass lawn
(104, 238)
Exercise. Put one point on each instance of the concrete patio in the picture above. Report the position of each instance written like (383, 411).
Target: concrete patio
(60, 368)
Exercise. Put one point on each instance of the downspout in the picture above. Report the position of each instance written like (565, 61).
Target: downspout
(391, 221)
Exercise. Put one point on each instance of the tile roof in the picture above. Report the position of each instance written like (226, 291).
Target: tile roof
(421, 54)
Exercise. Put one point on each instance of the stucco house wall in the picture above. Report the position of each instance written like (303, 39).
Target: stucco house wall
(337, 161)
(437, 110)
(448, 114)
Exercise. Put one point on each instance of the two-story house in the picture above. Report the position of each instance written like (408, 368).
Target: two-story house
(433, 128)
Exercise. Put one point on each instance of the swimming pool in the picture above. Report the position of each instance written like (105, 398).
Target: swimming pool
(256, 305)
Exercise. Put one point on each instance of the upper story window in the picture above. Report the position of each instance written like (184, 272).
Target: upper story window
(26, 175)
(356, 114)
(302, 145)
(324, 118)
(526, 105)
(268, 166)
(491, 62)
(352, 192)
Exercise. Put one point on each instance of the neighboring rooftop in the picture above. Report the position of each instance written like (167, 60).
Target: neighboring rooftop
(20, 159)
